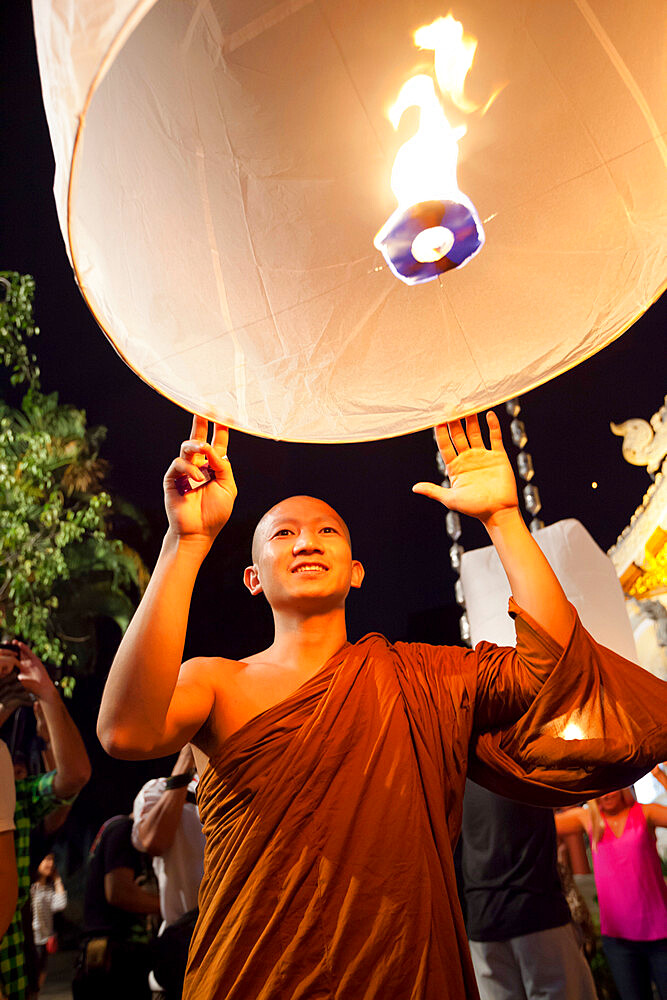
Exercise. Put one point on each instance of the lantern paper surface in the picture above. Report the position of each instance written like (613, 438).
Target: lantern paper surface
(586, 575)
(222, 168)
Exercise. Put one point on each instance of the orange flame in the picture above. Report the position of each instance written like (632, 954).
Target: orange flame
(435, 224)
(454, 55)
(425, 166)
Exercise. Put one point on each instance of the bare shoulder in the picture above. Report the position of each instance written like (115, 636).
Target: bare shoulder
(224, 678)
(238, 690)
(208, 670)
(255, 658)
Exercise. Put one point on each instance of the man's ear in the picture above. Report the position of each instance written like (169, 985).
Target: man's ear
(358, 574)
(251, 580)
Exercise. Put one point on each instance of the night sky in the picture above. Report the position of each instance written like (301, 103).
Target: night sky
(400, 538)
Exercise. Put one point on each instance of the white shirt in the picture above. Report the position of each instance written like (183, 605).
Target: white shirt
(45, 901)
(7, 790)
(180, 869)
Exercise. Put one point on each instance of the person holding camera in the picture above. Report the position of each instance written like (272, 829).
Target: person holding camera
(36, 795)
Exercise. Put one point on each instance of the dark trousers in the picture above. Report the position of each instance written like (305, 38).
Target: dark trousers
(112, 970)
(635, 964)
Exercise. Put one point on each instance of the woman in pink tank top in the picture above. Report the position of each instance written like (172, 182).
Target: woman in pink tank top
(631, 890)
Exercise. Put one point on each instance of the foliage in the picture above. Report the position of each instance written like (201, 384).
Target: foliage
(61, 569)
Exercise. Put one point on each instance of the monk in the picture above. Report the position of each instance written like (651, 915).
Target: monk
(332, 773)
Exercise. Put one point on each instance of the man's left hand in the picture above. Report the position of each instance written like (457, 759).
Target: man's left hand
(482, 480)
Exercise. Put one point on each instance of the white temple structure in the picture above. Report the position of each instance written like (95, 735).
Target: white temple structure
(640, 553)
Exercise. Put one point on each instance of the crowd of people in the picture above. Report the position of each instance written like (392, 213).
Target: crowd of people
(315, 857)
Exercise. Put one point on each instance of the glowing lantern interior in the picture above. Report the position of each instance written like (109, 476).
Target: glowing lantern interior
(221, 169)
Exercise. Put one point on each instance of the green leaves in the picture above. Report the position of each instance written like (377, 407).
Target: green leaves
(16, 325)
(61, 569)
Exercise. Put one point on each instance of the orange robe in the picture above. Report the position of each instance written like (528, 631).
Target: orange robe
(331, 817)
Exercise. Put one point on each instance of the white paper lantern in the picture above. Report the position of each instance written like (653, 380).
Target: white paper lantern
(585, 573)
(222, 168)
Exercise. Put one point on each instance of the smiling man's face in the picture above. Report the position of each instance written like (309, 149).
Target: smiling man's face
(302, 556)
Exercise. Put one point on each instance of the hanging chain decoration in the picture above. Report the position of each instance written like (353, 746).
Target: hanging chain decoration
(529, 493)
(524, 464)
(453, 528)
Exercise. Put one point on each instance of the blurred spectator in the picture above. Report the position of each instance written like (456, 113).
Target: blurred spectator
(8, 872)
(47, 896)
(114, 962)
(522, 940)
(630, 886)
(167, 826)
(36, 797)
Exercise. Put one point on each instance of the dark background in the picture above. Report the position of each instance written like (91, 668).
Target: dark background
(401, 539)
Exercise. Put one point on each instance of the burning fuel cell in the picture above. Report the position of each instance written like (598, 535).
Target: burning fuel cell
(429, 238)
(435, 226)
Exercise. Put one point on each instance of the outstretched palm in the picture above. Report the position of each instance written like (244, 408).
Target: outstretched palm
(482, 480)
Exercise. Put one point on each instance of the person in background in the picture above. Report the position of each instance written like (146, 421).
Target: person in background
(167, 827)
(47, 896)
(115, 961)
(8, 872)
(631, 890)
(36, 797)
(522, 940)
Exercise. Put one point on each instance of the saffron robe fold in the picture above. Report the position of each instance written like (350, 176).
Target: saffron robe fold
(331, 817)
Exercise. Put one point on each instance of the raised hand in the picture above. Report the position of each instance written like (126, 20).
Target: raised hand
(202, 512)
(33, 675)
(482, 480)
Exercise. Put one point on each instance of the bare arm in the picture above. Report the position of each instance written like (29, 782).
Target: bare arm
(121, 890)
(655, 814)
(69, 753)
(483, 486)
(55, 819)
(151, 706)
(59, 898)
(659, 775)
(8, 880)
(158, 825)
(570, 821)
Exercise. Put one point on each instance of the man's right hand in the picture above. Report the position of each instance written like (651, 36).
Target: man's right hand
(201, 513)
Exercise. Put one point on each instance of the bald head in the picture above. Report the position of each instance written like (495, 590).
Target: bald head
(294, 507)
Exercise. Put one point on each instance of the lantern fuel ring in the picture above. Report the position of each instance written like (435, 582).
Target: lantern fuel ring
(427, 239)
